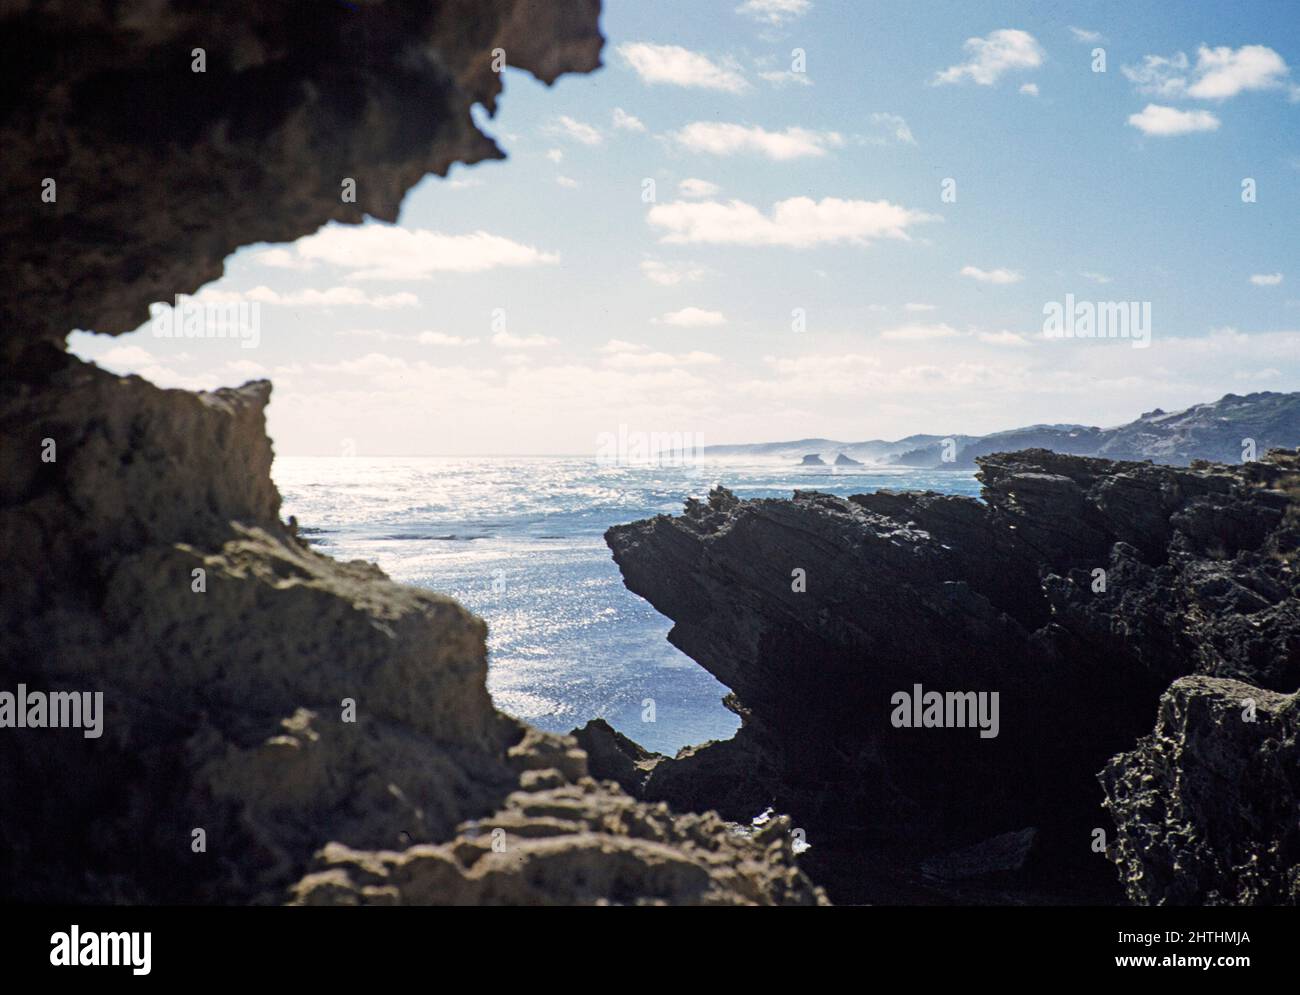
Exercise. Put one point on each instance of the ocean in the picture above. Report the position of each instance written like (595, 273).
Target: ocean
(518, 541)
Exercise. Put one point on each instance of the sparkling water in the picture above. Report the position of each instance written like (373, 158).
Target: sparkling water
(518, 540)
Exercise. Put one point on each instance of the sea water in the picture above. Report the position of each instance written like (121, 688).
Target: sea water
(518, 541)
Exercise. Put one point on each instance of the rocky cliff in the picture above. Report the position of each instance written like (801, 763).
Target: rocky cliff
(262, 703)
(1077, 590)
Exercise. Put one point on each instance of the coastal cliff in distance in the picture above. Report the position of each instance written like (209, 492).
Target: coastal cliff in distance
(1089, 595)
(1218, 431)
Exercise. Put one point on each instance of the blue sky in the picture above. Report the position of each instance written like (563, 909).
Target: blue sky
(528, 306)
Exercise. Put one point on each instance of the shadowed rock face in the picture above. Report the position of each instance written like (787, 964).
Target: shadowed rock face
(162, 172)
(957, 595)
(1207, 807)
(144, 555)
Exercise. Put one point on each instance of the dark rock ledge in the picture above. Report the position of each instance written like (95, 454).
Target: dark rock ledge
(1003, 594)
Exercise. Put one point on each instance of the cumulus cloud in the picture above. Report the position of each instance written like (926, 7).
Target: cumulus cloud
(677, 66)
(780, 77)
(1003, 338)
(388, 252)
(798, 222)
(692, 187)
(1029, 89)
(892, 126)
(441, 338)
(627, 122)
(1266, 279)
(1000, 276)
(774, 11)
(670, 274)
(504, 340)
(920, 333)
(693, 317)
(1162, 121)
(579, 131)
(639, 358)
(281, 259)
(1219, 73)
(717, 138)
(331, 297)
(997, 53)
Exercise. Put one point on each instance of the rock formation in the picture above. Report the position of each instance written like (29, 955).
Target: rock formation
(144, 553)
(1077, 590)
(1208, 806)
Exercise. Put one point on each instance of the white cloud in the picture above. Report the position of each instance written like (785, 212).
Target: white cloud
(780, 77)
(893, 126)
(1000, 276)
(692, 187)
(1219, 74)
(639, 359)
(798, 222)
(920, 333)
(774, 11)
(577, 130)
(440, 338)
(1003, 337)
(1095, 277)
(504, 340)
(388, 252)
(1266, 279)
(1084, 35)
(626, 121)
(621, 345)
(567, 181)
(1224, 72)
(693, 317)
(1162, 121)
(126, 357)
(281, 259)
(555, 155)
(369, 365)
(918, 307)
(670, 274)
(1029, 89)
(679, 66)
(991, 56)
(717, 138)
(332, 297)
(1158, 76)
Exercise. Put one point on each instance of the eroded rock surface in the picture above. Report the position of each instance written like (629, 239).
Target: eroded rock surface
(1207, 807)
(574, 841)
(954, 594)
(161, 172)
